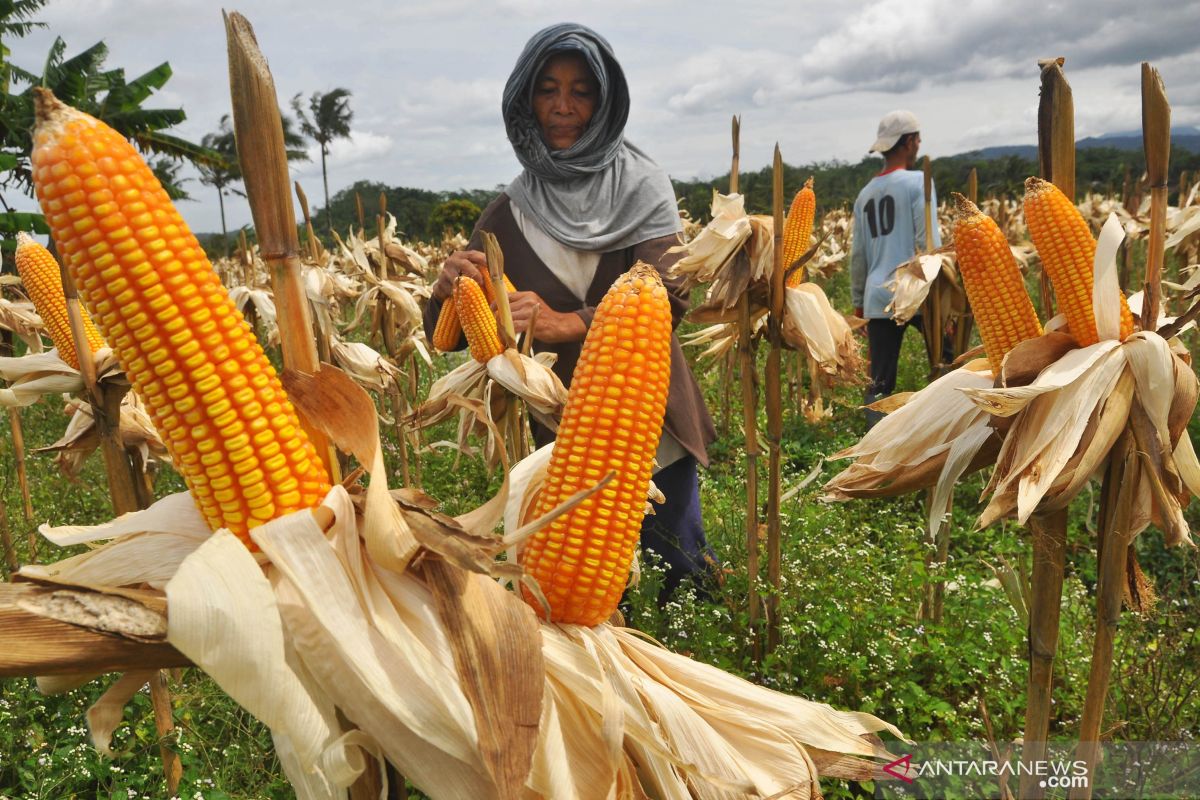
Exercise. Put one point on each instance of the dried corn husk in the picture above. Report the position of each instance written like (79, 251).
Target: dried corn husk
(136, 431)
(913, 279)
(264, 306)
(32, 376)
(932, 438)
(811, 325)
(479, 394)
(314, 623)
(1067, 418)
(23, 321)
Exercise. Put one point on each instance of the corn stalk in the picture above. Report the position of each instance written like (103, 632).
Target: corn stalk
(18, 439)
(1056, 145)
(1049, 533)
(263, 161)
(774, 393)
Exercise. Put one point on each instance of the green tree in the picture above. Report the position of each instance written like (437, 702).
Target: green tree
(224, 172)
(330, 119)
(453, 216)
(83, 82)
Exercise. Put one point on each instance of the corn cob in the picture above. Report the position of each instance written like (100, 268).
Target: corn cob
(40, 274)
(1068, 251)
(448, 329)
(477, 320)
(214, 398)
(612, 421)
(995, 287)
(797, 230)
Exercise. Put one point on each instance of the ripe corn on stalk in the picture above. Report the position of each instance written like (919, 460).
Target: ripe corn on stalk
(1065, 244)
(995, 287)
(797, 230)
(477, 320)
(42, 279)
(448, 329)
(215, 399)
(612, 421)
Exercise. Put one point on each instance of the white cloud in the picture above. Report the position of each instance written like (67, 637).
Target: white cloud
(426, 78)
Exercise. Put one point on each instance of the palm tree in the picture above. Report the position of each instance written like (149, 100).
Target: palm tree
(223, 173)
(330, 120)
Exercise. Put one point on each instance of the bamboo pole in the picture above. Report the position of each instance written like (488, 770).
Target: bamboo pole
(263, 160)
(1116, 510)
(774, 392)
(1049, 533)
(1056, 145)
(1156, 139)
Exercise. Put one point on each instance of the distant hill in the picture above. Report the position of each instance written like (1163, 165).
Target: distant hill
(1182, 138)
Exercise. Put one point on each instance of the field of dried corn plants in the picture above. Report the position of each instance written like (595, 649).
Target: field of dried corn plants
(840, 563)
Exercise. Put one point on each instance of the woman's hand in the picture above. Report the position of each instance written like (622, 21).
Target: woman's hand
(551, 326)
(471, 263)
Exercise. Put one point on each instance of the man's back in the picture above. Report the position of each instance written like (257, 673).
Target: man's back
(889, 228)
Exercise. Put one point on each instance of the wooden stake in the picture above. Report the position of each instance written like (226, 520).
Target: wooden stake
(1156, 139)
(774, 392)
(1048, 530)
(263, 160)
(1056, 144)
(1116, 510)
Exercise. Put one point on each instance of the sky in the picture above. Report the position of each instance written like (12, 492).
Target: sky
(813, 75)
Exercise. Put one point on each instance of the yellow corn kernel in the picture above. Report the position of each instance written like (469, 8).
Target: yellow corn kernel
(42, 280)
(797, 230)
(1068, 252)
(994, 284)
(69, 143)
(581, 560)
(477, 320)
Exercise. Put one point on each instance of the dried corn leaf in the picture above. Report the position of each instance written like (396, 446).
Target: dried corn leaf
(23, 321)
(912, 281)
(713, 248)
(812, 325)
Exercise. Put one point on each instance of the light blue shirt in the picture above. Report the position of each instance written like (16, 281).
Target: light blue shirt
(889, 229)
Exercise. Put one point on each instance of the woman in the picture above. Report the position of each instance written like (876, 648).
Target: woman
(586, 207)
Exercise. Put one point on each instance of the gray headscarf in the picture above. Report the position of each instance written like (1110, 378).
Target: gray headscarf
(601, 193)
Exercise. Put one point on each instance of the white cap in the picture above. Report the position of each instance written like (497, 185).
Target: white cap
(894, 125)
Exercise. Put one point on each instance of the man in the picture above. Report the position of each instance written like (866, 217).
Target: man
(889, 228)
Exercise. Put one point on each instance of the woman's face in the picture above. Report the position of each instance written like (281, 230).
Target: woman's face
(564, 97)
